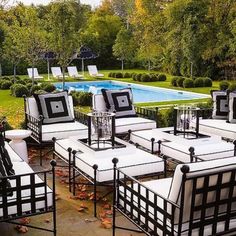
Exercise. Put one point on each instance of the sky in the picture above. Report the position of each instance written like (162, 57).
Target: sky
(93, 3)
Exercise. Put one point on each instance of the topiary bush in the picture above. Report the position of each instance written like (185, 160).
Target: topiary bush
(207, 82)
(34, 88)
(161, 77)
(119, 75)
(110, 74)
(174, 81)
(188, 83)
(138, 76)
(6, 85)
(18, 90)
(134, 76)
(224, 85)
(48, 87)
(180, 81)
(198, 82)
(81, 98)
(232, 86)
(153, 77)
(145, 78)
(126, 75)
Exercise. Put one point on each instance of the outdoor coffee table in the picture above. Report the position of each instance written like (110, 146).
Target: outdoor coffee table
(18, 143)
(97, 167)
(164, 142)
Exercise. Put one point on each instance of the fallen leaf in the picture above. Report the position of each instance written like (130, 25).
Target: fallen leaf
(24, 221)
(47, 221)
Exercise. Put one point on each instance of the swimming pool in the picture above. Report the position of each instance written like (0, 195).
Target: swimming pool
(141, 93)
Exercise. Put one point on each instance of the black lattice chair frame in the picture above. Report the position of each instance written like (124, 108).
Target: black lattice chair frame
(75, 172)
(35, 125)
(34, 198)
(172, 220)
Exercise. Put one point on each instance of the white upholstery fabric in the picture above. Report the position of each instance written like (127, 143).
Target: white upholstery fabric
(56, 72)
(132, 160)
(32, 108)
(99, 103)
(23, 168)
(64, 130)
(93, 71)
(13, 155)
(218, 127)
(133, 124)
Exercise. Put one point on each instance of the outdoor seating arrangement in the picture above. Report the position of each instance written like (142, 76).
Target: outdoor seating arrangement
(23, 192)
(56, 73)
(139, 120)
(93, 71)
(34, 72)
(198, 200)
(73, 72)
(55, 118)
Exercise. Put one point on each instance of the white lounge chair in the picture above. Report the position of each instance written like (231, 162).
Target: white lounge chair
(93, 71)
(73, 72)
(56, 73)
(198, 200)
(36, 73)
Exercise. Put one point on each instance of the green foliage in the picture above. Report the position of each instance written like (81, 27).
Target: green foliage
(126, 75)
(207, 82)
(180, 81)
(198, 82)
(161, 77)
(82, 98)
(48, 87)
(34, 88)
(110, 74)
(232, 86)
(19, 90)
(118, 75)
(174, 81)
(224, 85)
(6, 84)
(188, 83)
(145, 78)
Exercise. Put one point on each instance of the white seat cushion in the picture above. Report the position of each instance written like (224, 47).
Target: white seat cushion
(133, 124)
(218, 127)
(13, 155)
(64, 130)
(24, 168)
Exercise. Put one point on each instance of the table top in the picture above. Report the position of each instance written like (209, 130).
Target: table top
(17, 134)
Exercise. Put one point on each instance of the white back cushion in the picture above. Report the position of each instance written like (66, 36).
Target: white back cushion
(99, 103)
(32, 108)
(232, 105)
(92, 69)
(197, 169)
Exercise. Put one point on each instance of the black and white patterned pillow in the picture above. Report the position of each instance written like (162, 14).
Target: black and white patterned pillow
(220, 104)
(120, 102)
(54, 107)
(232, 107)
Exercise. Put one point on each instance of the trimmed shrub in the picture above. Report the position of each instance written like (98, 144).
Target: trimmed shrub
(81, 98)
(118, 75)
(161, 77)
(110, 74)
(6, 85)
(188, 83)
(180, 81)
(48, 87)
(207, 82)
(5, 78)
(18, 90)
(145, 78)
(224, 85)
(153, 77)
(138, 76)
(126, 75)
(134, 76)
(34, 88)
(232, 86)
(198, 82)
(174, 81)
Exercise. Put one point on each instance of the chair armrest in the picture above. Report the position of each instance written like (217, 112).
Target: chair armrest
(81, 117)
(149, 113)
(35, 125)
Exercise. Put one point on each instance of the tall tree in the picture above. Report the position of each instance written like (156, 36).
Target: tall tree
(64, 30)
(124, 47)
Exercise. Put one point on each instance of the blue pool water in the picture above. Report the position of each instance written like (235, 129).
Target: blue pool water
(141, 93)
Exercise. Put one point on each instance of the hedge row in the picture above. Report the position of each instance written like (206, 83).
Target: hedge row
(119, 75)
(179, 81)
(152, 77)
(224, 85)
(81, 98)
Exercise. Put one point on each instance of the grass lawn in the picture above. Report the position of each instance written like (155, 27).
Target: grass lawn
(13, 108)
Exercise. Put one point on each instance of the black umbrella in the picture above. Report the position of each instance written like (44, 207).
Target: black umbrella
(49, 56)
(86, 53)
